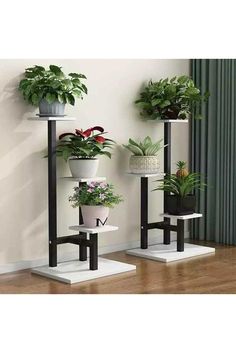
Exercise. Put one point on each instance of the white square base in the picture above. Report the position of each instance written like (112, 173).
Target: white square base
(169, 253)
(78, 271)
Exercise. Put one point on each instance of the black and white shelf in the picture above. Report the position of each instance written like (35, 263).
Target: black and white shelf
(86, 267)
(169, 250)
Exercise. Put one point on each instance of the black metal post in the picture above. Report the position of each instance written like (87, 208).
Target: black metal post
(52, 194)
(180, 235)
(167, 170)
(93, 252)
(144, 213)
(82, 248)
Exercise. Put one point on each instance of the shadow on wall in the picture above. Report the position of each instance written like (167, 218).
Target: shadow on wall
(22, 178)
(12, 110)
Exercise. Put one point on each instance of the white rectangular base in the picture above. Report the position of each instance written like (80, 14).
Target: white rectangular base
(78, 271)
(169, 253)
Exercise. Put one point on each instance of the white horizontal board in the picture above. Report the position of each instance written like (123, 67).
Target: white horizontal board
(84, 180)
(169, 253)
(95, 230)
(172, 121)
(78, 271)
(161, 175)
(53, 118)
(189, 216)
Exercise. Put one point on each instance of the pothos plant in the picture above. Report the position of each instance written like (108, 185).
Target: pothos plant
(84, 144)
(172, 98)
(51, 84)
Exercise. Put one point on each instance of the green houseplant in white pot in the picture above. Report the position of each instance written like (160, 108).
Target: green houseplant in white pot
(81, 149)
(95, 200)
(50, 89)
(144, 157)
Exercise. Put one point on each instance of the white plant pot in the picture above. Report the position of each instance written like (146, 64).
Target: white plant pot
(93, 215)
(83, 168)
(144, 164)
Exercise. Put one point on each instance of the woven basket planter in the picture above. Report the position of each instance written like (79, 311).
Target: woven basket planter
(144, 164)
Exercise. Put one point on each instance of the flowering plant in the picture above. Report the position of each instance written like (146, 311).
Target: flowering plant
(95, 194)
(84, 144)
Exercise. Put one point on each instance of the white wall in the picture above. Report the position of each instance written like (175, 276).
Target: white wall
(113, 86)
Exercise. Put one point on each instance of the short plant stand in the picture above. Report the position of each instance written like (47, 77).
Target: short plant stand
(87, 238)
(179, 250)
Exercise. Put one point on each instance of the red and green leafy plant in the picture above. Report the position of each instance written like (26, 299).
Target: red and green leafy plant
(87, 143)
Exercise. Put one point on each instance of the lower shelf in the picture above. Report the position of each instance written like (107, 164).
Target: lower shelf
(168, 253)
(78, 271)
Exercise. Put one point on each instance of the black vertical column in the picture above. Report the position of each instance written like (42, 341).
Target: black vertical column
(144, 213)
(52, 193)
(82, 248)
(167, 170)
(180, 235)
(93, 252)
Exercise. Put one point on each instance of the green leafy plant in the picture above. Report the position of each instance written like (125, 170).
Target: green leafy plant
(51, 84)
(145, 147)
(84, 144)
(172, 98)
(181, 185)
(95, 194)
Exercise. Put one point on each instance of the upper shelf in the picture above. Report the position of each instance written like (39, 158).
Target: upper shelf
(84, 180)
(172, 121)
(188, 216)
(146, 175)
(53, 118)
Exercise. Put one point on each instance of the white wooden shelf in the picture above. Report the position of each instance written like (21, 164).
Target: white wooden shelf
(189, 216)
(84, 180)
(95, 230)
(53, 118)
(172, 121)
(146, 175)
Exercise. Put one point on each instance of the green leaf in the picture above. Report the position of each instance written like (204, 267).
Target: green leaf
(70, 99)
(75, 75)
(84, 88)
(164, 104)
(156, 101)
(56, 70)
(35, 99)
(137, 151)
(60, 98)
(50, 98)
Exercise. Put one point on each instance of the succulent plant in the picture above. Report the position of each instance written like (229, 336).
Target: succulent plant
(145, 147)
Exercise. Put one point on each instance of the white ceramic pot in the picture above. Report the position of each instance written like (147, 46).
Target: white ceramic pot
(94, 215)
(144, 164)
(83, 168)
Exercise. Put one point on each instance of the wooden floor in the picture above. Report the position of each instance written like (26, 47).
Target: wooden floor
(207, 274)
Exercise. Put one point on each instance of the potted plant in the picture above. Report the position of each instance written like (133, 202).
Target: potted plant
(144, 158)
(95, 200)
(81, 148)
(180, 186)
(172, 98)
(50, 89)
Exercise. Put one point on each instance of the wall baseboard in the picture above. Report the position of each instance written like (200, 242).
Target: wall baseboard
(73, 255)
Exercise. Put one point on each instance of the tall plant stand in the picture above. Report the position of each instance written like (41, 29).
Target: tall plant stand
(82, 269)
(168, 251)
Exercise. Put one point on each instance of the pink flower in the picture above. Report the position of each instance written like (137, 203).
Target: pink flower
(90, 190)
